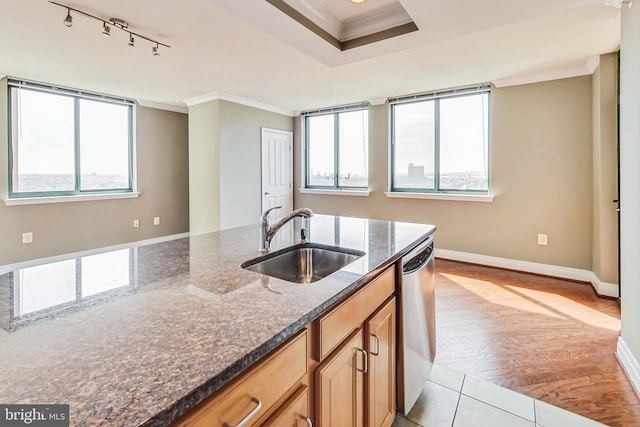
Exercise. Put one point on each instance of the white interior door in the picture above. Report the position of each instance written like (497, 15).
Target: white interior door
(277, 172)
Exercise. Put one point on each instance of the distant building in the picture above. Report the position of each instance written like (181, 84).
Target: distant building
(416, 174)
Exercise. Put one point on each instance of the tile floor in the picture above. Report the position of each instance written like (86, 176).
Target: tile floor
(451, 398)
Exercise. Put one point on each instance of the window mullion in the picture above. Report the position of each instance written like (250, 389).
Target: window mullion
(392, 137)
(131, 154)
(307, 170)
(76, 142)
(336, 150)
(436, 144)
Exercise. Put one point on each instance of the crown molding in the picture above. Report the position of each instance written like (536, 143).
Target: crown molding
(213, 96)
(377, 101)
(321, 16)
(618, 3)
(587, 69)
(160, 106)
(592, 64)
(378, 21)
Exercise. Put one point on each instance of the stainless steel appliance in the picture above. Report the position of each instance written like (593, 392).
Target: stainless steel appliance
(417, 328)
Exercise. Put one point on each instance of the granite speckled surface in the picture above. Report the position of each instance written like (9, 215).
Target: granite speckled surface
(178, 320)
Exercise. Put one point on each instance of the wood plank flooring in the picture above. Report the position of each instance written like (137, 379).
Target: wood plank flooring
(551, 339)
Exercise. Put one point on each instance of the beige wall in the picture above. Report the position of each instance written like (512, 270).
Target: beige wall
(204, 174)
(605, 167)
(541, 163)
(59, 228)
(225, 164)
(630, 177)
(241, 166)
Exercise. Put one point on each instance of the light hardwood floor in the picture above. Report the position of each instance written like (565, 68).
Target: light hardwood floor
(551, 339)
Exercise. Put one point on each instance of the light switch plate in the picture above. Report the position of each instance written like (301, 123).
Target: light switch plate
(542, 239)
(27, 237)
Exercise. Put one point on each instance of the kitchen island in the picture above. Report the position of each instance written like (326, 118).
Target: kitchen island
(179, 320)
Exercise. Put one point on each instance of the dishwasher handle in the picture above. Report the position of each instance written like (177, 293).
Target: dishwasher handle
(417, 260)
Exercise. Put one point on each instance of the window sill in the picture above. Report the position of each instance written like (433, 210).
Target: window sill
(66, 199)
(485, 198)
(333, 192)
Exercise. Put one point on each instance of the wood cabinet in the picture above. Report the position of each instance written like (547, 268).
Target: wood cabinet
(340, 385)
(355, 383)
(380, 382)
(338, 371)
(294, 412)
(257, 392)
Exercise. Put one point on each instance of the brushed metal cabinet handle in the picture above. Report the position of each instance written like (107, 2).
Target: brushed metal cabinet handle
(365, 358)
(249, 415)
(377, 352)
(307, 420)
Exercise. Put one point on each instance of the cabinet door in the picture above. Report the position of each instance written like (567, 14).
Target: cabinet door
(380, 333)
(294, 412)
(340, 386)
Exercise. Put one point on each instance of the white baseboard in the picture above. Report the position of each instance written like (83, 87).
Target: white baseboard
(601, 288)
(629, 364)
(10, 267)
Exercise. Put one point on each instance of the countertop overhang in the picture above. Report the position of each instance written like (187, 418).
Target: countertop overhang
(188, 320)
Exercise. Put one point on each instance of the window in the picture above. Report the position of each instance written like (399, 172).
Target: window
(440, 142)
(64, 142)
(337, 147)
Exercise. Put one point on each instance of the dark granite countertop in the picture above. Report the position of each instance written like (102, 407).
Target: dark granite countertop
(138, 336)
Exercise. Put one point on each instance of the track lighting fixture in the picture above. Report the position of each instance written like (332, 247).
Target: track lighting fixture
(68, 21)
(106, 27)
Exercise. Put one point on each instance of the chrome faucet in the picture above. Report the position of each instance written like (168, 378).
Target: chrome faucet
(267, 232)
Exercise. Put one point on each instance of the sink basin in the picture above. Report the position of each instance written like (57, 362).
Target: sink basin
(304, 262)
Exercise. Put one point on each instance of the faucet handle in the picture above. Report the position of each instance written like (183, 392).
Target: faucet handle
(266, 213)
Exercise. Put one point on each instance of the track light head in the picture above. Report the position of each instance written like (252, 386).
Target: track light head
(132, 42)
(154, 51)
(106, 31)
(68, 21)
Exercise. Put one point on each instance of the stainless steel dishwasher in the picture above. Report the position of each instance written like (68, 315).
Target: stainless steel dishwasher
(417, 328)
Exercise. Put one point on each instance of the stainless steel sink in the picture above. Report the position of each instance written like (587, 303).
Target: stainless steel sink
(304, 262)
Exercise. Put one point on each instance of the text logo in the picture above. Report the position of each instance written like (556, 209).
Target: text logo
(34, 415)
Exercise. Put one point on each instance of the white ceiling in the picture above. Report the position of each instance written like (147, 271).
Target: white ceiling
(248, 49)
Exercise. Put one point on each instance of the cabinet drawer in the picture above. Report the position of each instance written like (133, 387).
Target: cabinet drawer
(336, 325)
(257, 391)
(294, 412)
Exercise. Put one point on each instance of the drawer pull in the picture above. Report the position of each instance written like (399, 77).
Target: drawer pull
(307, 420)
(249, 415)
(365, 358)
(377, 352)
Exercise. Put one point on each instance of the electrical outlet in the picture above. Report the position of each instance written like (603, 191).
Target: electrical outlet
(542, 239)
(136, 223)
(156, 220)
(27, 237)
